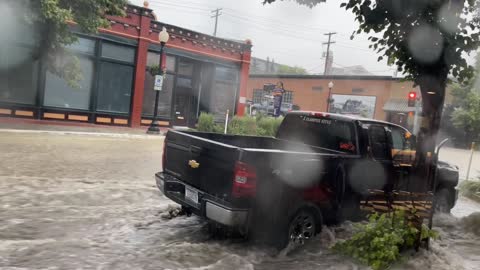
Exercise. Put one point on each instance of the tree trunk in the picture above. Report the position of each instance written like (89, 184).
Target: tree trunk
(433, 95)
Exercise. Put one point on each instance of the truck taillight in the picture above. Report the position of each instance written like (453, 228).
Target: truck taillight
(244, 180)
(164, 155)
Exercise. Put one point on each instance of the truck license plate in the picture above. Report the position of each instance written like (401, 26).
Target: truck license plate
(191, 195)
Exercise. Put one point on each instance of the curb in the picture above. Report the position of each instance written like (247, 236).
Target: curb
(84, 133)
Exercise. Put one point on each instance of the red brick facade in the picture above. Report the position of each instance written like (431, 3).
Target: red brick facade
(310, 92)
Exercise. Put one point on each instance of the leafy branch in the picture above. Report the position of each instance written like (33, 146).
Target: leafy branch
(53, 19)
(379, 242)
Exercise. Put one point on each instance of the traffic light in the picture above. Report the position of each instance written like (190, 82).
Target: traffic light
(412, 98)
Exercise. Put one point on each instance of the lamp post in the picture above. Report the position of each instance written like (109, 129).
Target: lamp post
(154, 128)
(330, 86)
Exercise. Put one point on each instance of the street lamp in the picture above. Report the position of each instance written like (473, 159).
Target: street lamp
(154, 128)
(330, 86)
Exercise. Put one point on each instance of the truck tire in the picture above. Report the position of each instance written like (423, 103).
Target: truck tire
(301, 227)
(443, 200)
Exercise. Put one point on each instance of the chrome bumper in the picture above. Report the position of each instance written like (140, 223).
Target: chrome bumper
(225, 216)
(174, 189)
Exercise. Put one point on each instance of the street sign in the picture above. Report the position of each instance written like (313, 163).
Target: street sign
(158, 83)
(277, 99)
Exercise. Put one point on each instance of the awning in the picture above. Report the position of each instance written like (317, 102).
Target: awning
(398, 105)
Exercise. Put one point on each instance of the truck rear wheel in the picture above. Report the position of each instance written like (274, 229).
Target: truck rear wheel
(300, 228)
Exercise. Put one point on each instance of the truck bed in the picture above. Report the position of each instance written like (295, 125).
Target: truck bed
(253, 143)
(217, 154)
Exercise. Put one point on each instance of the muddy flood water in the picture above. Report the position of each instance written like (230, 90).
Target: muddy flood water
(90, 202)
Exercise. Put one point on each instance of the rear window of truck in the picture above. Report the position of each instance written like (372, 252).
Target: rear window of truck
(322, 132)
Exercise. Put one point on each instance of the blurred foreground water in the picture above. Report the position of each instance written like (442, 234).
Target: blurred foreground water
(78, 202)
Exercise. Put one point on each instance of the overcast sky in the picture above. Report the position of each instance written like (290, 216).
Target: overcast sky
(285, 31)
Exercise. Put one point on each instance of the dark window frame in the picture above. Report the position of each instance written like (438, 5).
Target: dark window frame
(99, 60)
(38, 78)
(168, 72)
(236, 84)
(88, 57)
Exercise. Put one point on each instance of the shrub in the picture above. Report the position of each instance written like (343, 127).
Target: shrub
(242, 126)
(470, 189)
(260, 125)
(378, 243)
(268, 126)
(206, 123)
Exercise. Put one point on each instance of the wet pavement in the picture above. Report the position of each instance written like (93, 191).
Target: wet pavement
(90, 202)
(461, 157)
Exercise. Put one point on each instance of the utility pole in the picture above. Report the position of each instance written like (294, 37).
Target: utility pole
(328, 49)
(217, 14)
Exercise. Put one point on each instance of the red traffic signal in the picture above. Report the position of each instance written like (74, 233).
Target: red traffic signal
(412, 98)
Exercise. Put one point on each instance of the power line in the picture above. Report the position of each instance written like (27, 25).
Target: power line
(217, 14)
(254, 20)
(328, 49)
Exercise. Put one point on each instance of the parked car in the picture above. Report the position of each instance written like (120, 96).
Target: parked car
(313, 172)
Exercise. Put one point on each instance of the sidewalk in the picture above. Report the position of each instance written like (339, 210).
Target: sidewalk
(60, 127)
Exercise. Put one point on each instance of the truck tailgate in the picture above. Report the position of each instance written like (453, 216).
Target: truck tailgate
(201, 163)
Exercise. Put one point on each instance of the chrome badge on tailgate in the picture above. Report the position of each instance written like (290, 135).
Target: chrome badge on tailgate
(193, 163)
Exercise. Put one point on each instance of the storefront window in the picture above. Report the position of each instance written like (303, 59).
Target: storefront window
(18, 75)
(185, 68)
(170, 63)
(83, 45)
(223, 96)
(153, 59)
(114, 88)
(59, 94)
(118, 52)
(165, 96)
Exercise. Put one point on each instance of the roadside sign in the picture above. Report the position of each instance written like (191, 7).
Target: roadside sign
(277, 99)
(158, 83)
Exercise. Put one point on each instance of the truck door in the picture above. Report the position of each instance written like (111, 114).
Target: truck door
(403, 156)
(379, 172)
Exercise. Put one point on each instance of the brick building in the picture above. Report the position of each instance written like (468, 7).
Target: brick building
(203, 73)
(378, 97)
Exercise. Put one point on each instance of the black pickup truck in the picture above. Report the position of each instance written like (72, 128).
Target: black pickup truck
(285, 188)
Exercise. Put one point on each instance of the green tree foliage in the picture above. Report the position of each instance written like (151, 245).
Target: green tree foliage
(379, 242)
(427, 40)
(467, 117)
(53, 17)
(284, 69)
(471, 189)
(466, 111)
(460, 118)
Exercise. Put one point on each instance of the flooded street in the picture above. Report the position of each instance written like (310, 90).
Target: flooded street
(90, 202)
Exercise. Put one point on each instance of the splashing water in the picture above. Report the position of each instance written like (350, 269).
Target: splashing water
(84, 212)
